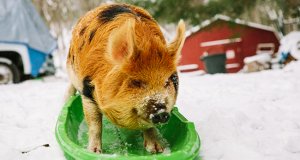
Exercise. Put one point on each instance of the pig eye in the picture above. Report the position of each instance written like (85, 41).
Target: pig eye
(167, 84)
(136, 83)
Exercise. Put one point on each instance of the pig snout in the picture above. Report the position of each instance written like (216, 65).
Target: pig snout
(158, 113)
(160, 118)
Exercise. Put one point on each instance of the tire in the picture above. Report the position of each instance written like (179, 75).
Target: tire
(9, 73)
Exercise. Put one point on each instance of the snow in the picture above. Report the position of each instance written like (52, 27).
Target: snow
(237, 116)
(28, 113)
(245, 116)
(226, 18)
(291, 44)
(261, 58)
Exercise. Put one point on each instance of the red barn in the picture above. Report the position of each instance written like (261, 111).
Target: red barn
(234, 38)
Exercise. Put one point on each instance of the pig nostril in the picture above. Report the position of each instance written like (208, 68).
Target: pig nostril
(155, 119)
(164, 117)
(160, 118)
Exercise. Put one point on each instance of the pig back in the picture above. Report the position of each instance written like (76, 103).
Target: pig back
(90, 36)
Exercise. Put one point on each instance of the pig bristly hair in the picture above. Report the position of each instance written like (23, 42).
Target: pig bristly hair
(119, 56)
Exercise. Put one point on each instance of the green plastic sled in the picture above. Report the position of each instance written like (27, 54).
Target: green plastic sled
(180, 137)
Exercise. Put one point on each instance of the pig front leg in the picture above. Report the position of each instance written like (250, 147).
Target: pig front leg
(151, 141)
(93, 117)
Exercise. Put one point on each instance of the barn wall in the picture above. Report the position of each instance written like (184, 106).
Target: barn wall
(253, 36)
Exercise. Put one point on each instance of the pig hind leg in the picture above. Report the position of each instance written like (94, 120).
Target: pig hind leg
(151, 141)
(93, 118)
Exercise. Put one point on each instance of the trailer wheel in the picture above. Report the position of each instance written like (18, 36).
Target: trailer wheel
(9, 73)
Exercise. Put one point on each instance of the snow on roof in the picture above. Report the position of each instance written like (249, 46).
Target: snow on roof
(226, 18)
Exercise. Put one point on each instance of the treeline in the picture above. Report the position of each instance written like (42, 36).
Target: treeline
(284, 15)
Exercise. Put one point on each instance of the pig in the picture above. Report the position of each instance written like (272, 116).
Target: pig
(123, 68)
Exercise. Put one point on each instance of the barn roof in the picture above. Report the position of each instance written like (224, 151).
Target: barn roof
(228, 19)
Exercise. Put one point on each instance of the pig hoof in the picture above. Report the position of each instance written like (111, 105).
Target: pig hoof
(95, 149)
(153, 146)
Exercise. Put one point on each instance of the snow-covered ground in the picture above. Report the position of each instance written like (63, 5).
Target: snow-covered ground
(28, 114)
(245, 116)
(238, 116)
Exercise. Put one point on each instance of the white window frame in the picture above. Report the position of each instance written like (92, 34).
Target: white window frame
(220, 42)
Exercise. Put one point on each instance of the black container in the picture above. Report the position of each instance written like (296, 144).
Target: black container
(215, 63)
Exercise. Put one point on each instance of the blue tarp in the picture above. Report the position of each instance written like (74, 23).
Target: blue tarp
(37, 60)
(20, 22)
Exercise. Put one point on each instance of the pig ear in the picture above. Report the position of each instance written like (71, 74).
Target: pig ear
(121, 42)
(175, 47)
